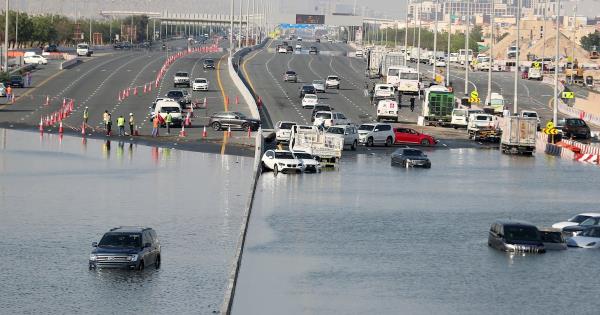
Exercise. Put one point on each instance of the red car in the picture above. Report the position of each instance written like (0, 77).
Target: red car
(408, 135)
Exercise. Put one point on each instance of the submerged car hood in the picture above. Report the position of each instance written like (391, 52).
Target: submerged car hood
(562, 225)
(582, 240)
(115, 250)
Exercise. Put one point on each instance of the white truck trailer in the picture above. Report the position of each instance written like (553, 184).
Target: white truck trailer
(518, 135)
(328, 147)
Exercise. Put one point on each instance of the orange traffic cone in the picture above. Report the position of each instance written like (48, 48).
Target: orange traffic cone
(42, 125)
(135, 92)
(60, 127)
(229, 131)
(237, 100)
(145, 88)
(47, 101)
(182, 133)
(204, 132)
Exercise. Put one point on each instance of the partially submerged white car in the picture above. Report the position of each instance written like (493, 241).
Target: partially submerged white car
(309, 101)
(309, 162)
(281, 161)
(589, 238)
(575, 220)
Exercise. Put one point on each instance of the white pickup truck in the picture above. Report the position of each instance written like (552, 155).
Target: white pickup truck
(84, 50)
(328, 147)
(483, 127)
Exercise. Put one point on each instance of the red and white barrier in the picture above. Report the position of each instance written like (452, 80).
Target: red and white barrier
(587, 158)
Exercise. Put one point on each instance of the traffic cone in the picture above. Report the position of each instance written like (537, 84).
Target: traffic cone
(64, 102)
(204, 132)
(60, 127)
(42, 125)
(83, 129)
(182, 133)
(47, 101)
(229, 131)
(205, 102)
(71, 106)
(135, 92)
(226, 100)
(188, 121)
(237, 100)
(120, 98)
(145, 88)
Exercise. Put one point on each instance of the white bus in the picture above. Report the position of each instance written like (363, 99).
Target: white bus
(464, 55)
(393, 75)
(409, 81)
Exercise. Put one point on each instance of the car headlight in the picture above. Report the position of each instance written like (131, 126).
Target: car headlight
(133, 257)
(280, 164)
(591, 244)
(93, 257)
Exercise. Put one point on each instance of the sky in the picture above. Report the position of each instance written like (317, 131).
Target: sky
(379, 8)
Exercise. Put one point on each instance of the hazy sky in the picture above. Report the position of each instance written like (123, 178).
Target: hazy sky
(382, 8)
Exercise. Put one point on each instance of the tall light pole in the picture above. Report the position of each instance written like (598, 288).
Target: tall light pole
(254, 21)
(467, 35)
(231, 29)
(17, 29)
(247, 21)
(6, 37)
(556, 60)
(240, 28)
(544, 36)
(516, 88)
(434, 73)
(448, 57)
(419, 39)
(489, 83)
(406, 34)
(573, 41)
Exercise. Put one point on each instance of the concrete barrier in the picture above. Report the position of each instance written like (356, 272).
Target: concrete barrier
(239, 250)
(244, 91)
(69, 63)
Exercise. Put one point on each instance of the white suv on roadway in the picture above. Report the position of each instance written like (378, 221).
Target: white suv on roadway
(348, 132)
(200, 84)
(333, 81)
(372, 134)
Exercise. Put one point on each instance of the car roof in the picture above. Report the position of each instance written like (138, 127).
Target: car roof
(514, 223)
(129, 229)
(549, 229)
(282, 151)
(590, 214)
(200, 79)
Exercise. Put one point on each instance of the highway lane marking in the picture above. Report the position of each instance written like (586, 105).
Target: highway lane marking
(220, 82)
(246, 72)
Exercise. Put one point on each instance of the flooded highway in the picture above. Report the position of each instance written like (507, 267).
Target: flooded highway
(373, 239)
(58, 196)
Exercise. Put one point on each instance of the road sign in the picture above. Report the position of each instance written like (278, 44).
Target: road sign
(550, 131)
(474, 94)
(549, 125)
(537, 65)
(568, 95)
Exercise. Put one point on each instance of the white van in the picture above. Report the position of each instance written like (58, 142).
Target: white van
(495, 101)
(84, 50)
(387, 110)
(384, 90)
(460, 117)
(163, 107)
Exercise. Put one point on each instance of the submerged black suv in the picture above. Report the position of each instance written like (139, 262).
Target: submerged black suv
(126, 247)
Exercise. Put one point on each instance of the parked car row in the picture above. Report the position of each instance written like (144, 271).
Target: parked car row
(581, 231)
(287, 161)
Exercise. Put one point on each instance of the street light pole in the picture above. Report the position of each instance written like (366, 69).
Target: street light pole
(467, 35)
(448, 57)
(556, 60)
(240, 28)
(406, 34)
(489, 84)
(573, 42)
(434, 73)
(247, 21)
(516, 88)
(419, 39)
(231, 29)
(6, 37)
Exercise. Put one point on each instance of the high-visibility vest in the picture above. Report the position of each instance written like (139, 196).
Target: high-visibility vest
(120, 121)
(169, 118)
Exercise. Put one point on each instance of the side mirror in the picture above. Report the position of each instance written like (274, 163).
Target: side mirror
(94, 244)
(147, 245)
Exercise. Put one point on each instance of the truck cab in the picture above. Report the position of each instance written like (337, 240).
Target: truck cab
(84, 49)
(496, 102)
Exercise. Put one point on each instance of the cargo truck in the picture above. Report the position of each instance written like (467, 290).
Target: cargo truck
(327, 147)
(518, 135)
(438, 103)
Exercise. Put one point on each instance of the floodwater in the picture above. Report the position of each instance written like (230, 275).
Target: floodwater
(58, 196)
(370, 238)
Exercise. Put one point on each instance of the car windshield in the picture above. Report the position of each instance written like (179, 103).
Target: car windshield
(290, 72)
(459, 112)
(332, 78)
(200, 81)
(383, 87)
(323, 115)
(336, 130)
(121, 240)
(521, 233)
(496, 101)
(286, 125)
(579, 218)
(318, 82)
(409, 76)
(412, 153)
(175, 94)
(590, 221)
(181, 74)
(393, 72)
(575, 122)
(534, 115)
(209, 61)
(310, 97)
(366, 127)
(592, 232)
(284, 155)
(308, 88)
(303, 155)
(172, 109)
(551, 237)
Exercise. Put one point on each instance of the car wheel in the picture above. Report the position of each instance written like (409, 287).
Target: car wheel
(275, 169)
(157, 262)
(216, 126)
(354, 145)
(370, 142)
(141, 266)
(388, 141)
(425, 142)
(246, 126)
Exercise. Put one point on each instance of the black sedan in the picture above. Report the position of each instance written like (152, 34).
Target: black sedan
(406, 157)
(17, 81)
(307, 89)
